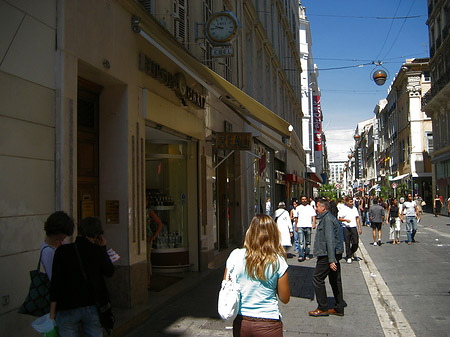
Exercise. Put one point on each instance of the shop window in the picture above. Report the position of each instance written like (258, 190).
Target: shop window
(166, 192)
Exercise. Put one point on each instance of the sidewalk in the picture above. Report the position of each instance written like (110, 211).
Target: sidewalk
(189, 308)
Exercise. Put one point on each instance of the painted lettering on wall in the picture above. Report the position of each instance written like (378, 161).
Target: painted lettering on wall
(317, 123)
(177, 82)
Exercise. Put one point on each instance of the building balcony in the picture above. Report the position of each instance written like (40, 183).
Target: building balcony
(436, 87)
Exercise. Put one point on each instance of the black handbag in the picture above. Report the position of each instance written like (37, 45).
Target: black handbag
(37, 302)
(105, 313)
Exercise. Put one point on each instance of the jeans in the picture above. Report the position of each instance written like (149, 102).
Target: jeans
(304, 238)
(296, 242)
(411, 227)
(68, 322)
(321, 271)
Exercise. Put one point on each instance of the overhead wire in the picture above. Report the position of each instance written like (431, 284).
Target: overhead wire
(370, 17)
(400, 30)
(389, 31)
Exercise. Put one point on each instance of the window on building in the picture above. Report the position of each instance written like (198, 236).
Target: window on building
(148, 5)
(429, 142)
(181, 21)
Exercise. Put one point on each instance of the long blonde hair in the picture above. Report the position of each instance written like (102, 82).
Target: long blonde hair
(263, 245)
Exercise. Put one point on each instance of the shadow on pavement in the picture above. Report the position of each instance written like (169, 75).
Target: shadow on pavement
(300, 281)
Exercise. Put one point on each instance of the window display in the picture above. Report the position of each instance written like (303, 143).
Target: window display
(166, 185)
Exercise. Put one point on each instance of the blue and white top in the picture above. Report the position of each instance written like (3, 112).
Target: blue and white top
(258, 298)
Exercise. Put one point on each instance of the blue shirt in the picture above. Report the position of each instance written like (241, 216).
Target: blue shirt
(258, 298)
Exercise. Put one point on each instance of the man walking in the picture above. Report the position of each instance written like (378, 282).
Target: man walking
(376, 216)
(306, 222)
(294, 218)
(412, 217)
(349, 216)
(328, 248)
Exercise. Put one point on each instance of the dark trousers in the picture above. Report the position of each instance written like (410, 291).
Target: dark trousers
(320, 273)
(351, 241)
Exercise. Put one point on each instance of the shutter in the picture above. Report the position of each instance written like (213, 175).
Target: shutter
(147, 4)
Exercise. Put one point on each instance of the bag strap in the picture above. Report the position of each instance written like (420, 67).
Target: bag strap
(40, 257)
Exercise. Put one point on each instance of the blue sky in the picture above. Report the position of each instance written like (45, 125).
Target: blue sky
(347, 33)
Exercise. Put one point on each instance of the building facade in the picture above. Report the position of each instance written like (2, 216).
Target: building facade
(436, 102)
(138, 112)
(395, 147)
(312, 112)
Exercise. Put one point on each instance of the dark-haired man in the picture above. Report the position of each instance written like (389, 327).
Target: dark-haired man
(328, 248)
(349, 216)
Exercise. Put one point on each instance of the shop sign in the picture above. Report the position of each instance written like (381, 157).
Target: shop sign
(317, 123)
(239, 141)
(177, 82)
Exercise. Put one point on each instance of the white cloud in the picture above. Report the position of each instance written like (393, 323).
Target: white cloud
(339, 143)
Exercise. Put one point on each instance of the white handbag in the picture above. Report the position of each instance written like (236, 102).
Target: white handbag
(229, 296)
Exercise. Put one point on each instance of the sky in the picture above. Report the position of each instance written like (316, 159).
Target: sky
(349, 33)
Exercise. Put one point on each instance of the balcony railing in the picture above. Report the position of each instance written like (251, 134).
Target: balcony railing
(437, 86)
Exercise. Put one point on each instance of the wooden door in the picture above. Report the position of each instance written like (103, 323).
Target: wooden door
(87, 149)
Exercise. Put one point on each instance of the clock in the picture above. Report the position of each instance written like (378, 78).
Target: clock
(222, 27)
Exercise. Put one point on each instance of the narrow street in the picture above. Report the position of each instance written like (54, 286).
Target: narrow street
(416, 276)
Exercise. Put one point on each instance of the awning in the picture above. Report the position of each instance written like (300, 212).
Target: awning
(400, 177)
(374, 186)
(232, 96)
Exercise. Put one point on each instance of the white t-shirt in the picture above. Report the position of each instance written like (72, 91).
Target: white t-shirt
(409, 208)
(258, 298)
(47, 258)
(350, 214)
(305, 214)
(295, 212)
(284, 226)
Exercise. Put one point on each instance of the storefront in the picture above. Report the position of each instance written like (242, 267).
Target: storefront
(166, 179)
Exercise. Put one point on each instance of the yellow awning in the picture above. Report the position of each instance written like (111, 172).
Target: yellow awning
(221, 88)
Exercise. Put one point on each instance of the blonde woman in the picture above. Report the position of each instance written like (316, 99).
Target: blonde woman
(261, 272)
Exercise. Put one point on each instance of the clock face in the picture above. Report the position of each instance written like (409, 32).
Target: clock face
(222, 27)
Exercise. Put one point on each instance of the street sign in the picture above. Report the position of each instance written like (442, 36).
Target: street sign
(394, 185)
(222, 51)
(337, 186)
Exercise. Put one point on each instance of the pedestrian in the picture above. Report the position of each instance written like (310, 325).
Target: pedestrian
(400, 205)
(57, 227)
(283, 221)
(78, 284)
(312, 202)
(419, 201)
(393, 217)
(448, 206)
(261, 272)
(294, 218)
(349, 217)
(437, 205)
(328, 248)
(306, 222)
(411, 212)
(376, 216)
(366, 208)
(268, 206)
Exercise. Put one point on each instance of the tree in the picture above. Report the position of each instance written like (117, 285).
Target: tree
(328, 191)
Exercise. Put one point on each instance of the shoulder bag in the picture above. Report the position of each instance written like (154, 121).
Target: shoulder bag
(229, 296)
(37, 302)
(105, 313)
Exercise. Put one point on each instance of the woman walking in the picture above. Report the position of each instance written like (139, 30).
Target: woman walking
(437, 205)
(261, 272)
(78, 284)
(393, 218)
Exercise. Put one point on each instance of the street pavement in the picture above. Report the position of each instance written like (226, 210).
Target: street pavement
(392, 290)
